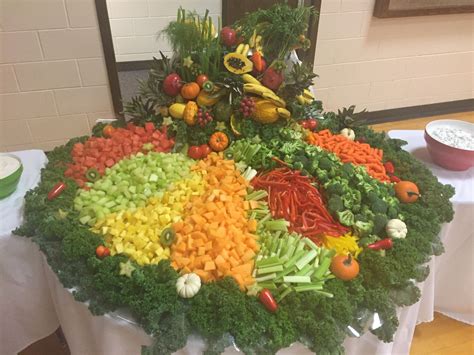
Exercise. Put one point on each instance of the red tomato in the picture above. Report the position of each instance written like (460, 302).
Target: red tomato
(201, 79)
(205, 150)
(194, 152)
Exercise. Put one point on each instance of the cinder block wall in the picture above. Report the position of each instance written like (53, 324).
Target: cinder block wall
(136, 24)
(389, 63)
(53, 80)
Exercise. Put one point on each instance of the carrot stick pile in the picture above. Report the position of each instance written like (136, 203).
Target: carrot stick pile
(352, 152)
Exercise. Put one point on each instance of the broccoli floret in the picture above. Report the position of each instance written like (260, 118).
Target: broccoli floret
(379, 206)
(346, 218)
(380, 221)
(335, 188)
(372, 196)
(361, 217)
(348, 169)
(392, 212)
(325, 164)
(335, 204)
(363, 228)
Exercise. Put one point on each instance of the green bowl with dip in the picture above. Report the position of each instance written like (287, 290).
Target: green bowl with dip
(11, 169)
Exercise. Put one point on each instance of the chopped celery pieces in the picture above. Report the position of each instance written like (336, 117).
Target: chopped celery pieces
(291, 263)
(130, 183)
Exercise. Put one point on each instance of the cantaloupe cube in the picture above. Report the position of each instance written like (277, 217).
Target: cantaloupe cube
(209, 266)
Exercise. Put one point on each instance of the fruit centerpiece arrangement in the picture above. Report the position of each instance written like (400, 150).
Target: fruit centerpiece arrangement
(232, 206)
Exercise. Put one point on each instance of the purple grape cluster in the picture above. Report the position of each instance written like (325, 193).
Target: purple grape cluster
(247, 106)
(204, 117)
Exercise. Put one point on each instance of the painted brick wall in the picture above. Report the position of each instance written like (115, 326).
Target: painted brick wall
(53, 80)
(135, 24)
(389, 63)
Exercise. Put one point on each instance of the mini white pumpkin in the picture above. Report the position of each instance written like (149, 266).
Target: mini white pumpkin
(188, 285)
(396, 228)
(348, 133)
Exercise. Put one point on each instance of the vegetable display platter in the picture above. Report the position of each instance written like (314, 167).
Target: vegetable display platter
(230, 205)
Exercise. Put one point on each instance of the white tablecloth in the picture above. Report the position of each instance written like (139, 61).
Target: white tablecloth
(33, 302)
(450, 286)
(27, 311)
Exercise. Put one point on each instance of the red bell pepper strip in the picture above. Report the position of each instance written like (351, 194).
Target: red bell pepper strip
(257, 61)
(383, 244)
(56, 190)
(267, 300)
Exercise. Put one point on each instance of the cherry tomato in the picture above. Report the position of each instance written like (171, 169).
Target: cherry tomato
(267, 300)
(394, 178)
(201, 79)
(304, 124)
(102, 251)
(194, 152)
(312, 123)
(205, 150)
(56, 190)
(108, 130)
(389, 168)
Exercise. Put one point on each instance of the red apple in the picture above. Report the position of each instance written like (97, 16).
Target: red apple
(172, 84)
(229, 36)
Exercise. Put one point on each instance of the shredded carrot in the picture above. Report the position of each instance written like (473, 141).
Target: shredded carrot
(352, 152)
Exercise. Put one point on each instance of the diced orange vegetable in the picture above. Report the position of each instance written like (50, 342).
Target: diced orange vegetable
(215, 238)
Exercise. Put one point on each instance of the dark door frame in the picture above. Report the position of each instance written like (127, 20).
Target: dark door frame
(109, 56)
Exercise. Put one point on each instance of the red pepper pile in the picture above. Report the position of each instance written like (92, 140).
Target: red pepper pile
(99, 153)
(292, 197)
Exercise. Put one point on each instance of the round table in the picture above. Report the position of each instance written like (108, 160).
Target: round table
(34, 303)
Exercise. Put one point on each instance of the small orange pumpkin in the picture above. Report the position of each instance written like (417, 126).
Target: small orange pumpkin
(190, 91)
(219, 141)
(344, 267)
(407, 191)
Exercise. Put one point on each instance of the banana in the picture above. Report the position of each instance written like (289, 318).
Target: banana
(278, 101)
(308, 94)
(245, 50)
(257, 89)
(301, 100)
(264, 92)
(250, 79)
(239, 48)
(283, 112)
(253, 39)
